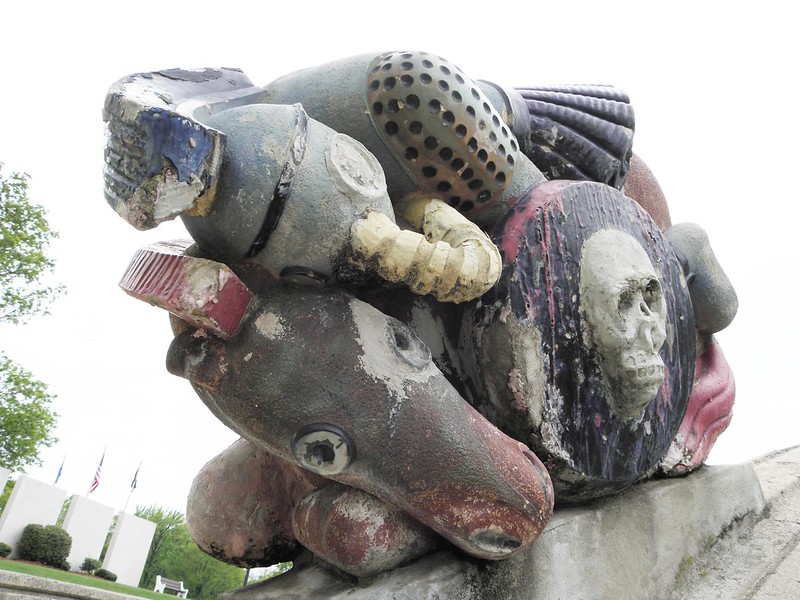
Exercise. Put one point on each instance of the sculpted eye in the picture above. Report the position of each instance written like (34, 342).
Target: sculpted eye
(652, 292)
(625, 300)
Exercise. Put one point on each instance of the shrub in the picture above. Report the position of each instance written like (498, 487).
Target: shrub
(30, 544)
(5, 549)
(105, 574)
(48, 545)
(90, 565)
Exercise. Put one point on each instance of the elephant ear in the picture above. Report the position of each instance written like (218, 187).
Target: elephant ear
(202, 292)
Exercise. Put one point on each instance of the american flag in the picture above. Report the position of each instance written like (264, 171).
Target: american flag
(96, 480)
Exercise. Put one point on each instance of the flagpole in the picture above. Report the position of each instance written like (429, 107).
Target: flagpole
(133, 487)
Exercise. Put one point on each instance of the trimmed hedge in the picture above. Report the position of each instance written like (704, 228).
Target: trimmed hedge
(48, 545)
(105, 574)
(5, 549)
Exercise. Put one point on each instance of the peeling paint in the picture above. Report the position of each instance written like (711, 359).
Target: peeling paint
(174, 197)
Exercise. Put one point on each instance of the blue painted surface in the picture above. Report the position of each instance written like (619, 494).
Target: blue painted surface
(169, 135)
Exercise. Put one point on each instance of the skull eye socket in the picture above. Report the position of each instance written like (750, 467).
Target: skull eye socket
(652, 293)
(625, 300)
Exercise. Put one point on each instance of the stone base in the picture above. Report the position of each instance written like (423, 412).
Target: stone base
(635, 544)
(19, 586)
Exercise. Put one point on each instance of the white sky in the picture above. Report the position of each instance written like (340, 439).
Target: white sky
(714, 88)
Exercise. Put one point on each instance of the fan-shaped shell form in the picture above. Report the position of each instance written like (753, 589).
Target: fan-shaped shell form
(582, 132)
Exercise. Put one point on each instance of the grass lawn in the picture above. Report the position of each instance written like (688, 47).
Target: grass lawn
(76, 578)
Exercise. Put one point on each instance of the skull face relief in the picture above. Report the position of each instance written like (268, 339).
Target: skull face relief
(624, 316)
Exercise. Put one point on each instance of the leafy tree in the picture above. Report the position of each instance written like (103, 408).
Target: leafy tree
(90, 565)
(24, 237)
(25, 415)
(7, 493)
(269, 572)
(173, 554)
(205, 576)
(164, 541)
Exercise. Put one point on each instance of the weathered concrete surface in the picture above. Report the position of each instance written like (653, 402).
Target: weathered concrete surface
(760, 562)
(708, 536)
(631, 546)
(17, 586)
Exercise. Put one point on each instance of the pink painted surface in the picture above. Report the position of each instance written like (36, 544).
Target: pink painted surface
(359, 533)
(708, 415)
(203, 292)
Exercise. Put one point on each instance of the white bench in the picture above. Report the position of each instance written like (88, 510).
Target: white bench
(162, 583)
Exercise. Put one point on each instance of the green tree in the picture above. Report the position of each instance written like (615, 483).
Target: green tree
(6, 493)
(165, 540)
(26, 419)
(25, 415)
(204, 576)
(24, 238)
(173, 554)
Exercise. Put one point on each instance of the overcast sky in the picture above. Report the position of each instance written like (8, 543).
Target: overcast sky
(714, 87)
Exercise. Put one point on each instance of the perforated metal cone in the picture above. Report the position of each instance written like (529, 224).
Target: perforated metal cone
(442, 128)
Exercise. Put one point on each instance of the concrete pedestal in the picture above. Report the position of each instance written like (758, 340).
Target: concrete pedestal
(632, 545)
(127, 551)
(31, 502)
(88, 523)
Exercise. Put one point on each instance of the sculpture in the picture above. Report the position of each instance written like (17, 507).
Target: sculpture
(396, 376)
(625, 317)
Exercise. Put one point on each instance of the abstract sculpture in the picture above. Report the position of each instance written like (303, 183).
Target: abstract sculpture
(401, 379)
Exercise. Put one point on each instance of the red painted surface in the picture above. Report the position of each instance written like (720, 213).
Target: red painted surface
(241, 504)
(359, 533)
(205, 293)
(708, 415)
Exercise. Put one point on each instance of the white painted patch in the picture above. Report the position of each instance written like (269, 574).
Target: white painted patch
(362, 508)
(424, 320)
(272, 326)
(380, 360)
(353, 169)
(174, 197)
(204, 283)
